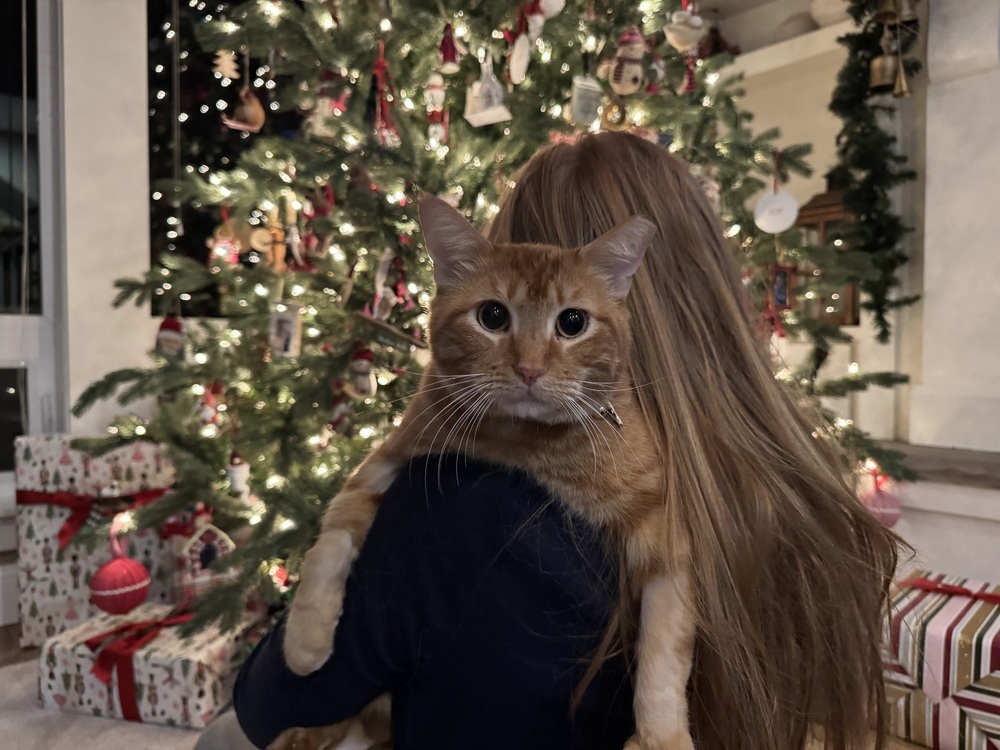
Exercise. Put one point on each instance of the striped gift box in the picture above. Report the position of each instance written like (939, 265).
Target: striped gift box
(942, 662)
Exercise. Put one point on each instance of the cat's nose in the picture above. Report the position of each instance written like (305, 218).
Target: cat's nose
(530, 373)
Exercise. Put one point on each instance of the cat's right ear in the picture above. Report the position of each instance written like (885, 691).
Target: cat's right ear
(452, 242)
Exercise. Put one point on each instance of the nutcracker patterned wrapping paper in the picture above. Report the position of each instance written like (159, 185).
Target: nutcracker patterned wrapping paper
(942, 662)
(54, 583)
(177, 682)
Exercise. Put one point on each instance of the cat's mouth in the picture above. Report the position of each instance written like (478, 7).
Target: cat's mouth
(532, 404)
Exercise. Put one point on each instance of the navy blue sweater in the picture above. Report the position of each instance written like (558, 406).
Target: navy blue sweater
(476, 603)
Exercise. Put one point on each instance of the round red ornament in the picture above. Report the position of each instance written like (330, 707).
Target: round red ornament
(121, 584)
(882, 502)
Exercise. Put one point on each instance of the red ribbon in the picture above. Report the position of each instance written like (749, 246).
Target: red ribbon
(936, 587)
(115, 649)
(81, 506)
(769, 317)
(510, 35)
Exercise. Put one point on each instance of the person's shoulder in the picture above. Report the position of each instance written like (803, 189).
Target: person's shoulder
(453, 491)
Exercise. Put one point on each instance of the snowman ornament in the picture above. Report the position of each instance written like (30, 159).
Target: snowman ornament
(625, 71)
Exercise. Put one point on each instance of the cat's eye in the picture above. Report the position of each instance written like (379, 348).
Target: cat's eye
(571, 323)
(493, 316)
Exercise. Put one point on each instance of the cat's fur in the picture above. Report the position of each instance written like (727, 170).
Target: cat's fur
(530, 399)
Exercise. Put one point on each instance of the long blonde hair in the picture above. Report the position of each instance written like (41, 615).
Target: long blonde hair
(791, 571)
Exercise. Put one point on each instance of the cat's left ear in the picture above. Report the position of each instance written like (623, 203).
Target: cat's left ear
(617, 254)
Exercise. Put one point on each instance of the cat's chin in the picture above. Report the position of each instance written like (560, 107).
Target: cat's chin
(532, 411)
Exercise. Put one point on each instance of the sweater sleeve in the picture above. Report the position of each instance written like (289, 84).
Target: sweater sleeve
(375, 646)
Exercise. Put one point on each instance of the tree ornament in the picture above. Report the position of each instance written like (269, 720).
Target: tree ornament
(380, 102)
(450, 59)
(484, 98)
(624, 71)
(536, 20)
(434, 92)
(285, 330)
(342, 415)
(437, 115)
(170, 337)
(882, 502)
(777, 210)
(225, 64)
(585, 99)
(551, 8)
(614, 116)
(657, 72)
(248, 115)
(685, 30)
(121, 584)
(361, 383)
(519, 54)
(238, 472)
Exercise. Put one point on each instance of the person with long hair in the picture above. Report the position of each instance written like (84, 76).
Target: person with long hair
(484, 609)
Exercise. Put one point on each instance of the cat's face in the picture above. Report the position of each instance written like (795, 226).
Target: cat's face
(530, 331)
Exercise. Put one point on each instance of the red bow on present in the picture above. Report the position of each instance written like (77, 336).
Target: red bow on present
(81, 506)
(937, 587)
(116, 647)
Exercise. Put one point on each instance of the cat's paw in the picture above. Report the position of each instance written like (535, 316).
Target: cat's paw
(679, 741)
(318, 603)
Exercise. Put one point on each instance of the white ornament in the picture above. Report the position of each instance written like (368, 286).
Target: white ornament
(684, 31)
(434, 92)
(585, 101)
(361, 382)
(520, 54)
(484, 99)
(535, 23)
(775, 212)
(625, 71)
(552, 8)
(225, 64)
(239, 477)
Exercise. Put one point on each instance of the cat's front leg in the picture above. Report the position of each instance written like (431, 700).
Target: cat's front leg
(319, 599)
(665, 653)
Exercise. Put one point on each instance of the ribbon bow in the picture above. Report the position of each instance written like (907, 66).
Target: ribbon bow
(81, 506)
(116, 647)
(937, 587)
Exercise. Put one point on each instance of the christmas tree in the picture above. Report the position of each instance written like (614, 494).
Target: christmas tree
(346, 114)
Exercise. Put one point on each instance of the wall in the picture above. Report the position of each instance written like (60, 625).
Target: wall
(957, 404)
(789, 86)
(105, 191)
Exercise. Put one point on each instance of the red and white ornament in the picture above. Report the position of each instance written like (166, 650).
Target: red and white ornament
(685, 30)
(121, 584)
(882, 501)
(361, 383)
(625, 71)
(448, 49)
(238, 472)
(536, 20)
(170, 337)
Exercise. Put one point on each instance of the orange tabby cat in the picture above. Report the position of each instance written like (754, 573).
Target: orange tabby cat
(529, 369)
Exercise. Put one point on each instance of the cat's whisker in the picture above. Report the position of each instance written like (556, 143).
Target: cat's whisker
(465, 417)
(475, 430)
(475, 416)
(474, 391)
(431, 389)
(576, 414)
(468, 436)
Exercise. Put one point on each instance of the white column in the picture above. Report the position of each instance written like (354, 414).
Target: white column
(957, 404)
(106, 197)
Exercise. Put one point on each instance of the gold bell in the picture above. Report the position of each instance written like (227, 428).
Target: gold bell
(887, 14)
(883, 74)
(906, 10)
(901, 89)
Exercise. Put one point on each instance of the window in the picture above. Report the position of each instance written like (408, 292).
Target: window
(20, 252)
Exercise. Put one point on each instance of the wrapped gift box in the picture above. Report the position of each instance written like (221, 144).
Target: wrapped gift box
(57, 488)
(138, 667)
(942, 662)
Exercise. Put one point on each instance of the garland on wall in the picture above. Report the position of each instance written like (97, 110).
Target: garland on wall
(878, 65)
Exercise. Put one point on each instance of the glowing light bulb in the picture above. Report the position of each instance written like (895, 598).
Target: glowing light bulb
(140, 430)
(201, 358)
